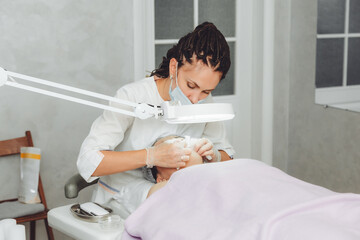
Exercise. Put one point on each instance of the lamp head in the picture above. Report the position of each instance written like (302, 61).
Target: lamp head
(3, 76)
(197, 113)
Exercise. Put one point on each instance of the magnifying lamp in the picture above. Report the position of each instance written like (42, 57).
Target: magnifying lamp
(167, 111)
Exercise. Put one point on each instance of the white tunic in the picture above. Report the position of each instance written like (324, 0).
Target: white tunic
(125, 191)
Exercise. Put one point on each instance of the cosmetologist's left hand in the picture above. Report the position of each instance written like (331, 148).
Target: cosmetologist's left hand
(205, 148)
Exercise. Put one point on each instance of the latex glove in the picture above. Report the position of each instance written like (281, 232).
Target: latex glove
(205, 148)
(168, 155)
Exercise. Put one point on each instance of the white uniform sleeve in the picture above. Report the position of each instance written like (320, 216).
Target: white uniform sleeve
(135, 193)
(106, 133)
(215, 131)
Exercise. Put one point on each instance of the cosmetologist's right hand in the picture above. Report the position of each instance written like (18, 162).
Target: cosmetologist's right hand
(168, 155)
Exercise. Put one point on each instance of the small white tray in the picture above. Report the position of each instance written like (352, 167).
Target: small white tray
(78, 213)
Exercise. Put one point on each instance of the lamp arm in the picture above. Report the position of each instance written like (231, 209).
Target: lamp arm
(69, 98)
(172, 113)
(141, 110)
(68, 88)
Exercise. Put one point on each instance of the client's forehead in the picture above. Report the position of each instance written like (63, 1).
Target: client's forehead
(161, 140)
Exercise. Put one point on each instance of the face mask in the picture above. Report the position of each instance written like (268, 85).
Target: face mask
(178, 95)
(201, 101)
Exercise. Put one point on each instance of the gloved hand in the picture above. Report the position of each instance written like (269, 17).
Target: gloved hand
(205, 148)
(169, 155)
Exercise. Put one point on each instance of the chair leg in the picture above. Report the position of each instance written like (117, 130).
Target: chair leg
(49, 230)
(32, 230)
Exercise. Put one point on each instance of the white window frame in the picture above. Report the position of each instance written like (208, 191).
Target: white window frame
(196, 23)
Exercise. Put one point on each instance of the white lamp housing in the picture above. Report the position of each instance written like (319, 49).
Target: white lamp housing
(197, 113)
(168, 112)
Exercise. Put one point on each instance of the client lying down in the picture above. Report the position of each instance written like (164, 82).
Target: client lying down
(243, 199)
(161, 175)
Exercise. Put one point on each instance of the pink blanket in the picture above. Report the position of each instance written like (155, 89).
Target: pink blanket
(244, 199)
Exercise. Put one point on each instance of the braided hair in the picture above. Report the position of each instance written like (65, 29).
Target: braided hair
(206, 42)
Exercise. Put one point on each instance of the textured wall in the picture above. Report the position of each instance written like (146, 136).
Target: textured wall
(86, 44)
(322, 145)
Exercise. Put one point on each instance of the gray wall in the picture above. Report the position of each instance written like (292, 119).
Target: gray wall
(78, 43)
(91, 46)
(312, 143)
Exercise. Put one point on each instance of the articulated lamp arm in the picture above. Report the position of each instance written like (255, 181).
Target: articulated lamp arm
(141, 110)
(168, 111)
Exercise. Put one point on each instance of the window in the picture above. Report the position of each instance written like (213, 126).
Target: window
(173, 19)
(158, 24)
(338, 52)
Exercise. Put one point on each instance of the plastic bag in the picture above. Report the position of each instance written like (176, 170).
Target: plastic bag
(29, 175)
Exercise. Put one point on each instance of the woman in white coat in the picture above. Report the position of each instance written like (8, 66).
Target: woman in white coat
(118, 146)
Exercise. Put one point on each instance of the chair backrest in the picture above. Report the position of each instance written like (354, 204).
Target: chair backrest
(12, 146)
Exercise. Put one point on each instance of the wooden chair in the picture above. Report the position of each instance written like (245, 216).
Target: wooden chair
(12, 147)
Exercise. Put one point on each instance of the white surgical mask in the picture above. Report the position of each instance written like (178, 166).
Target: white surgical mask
(177, 94)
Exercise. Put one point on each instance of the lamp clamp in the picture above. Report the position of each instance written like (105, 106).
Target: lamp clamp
(144, 111)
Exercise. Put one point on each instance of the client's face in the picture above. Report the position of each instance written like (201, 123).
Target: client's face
(165, 173)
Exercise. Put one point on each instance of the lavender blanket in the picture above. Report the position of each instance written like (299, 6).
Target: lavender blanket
(244, 199)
